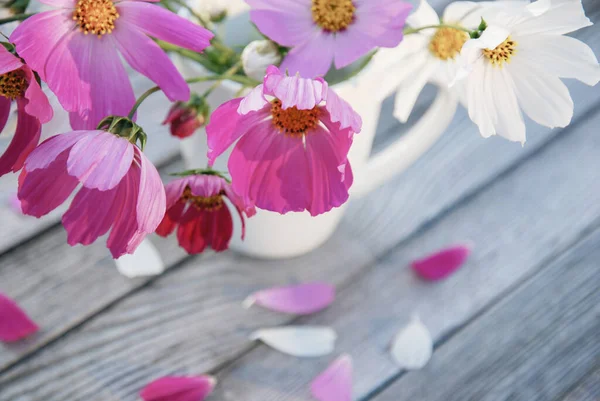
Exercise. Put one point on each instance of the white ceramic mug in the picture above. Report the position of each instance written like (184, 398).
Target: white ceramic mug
(271, 235)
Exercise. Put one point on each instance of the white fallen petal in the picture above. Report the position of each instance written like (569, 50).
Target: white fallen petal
(300, 341)
(145, 261)
(413, 346)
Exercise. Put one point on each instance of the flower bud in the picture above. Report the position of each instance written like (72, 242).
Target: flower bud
(259, 55)
(186, 118)
(214, 10)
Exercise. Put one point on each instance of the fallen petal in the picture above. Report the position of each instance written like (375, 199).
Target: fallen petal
(413, 346)
(145, 261)
(300, 341)
(442, 263)
(335, 382)
(182, 388)
(302, 299)
(14, 322)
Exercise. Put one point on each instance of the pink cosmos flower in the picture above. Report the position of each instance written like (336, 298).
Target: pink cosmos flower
(322, 31)
(18, 83)
(292, 152)
(120, 188)
(75, 49)
(196, 206)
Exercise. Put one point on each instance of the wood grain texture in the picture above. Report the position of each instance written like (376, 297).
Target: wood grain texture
(190, 321)
(518, 224)
(534, 345)
(588, 389)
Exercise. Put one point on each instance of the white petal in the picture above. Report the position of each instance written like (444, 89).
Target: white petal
(477, 104)
(424, 15)
(545, 99)
(413, 346)
(563, 16)
(563, 56)
(145, 261)
(465, 12)
(409, 92)
(510, 122)
(300, 341)
(539, 7)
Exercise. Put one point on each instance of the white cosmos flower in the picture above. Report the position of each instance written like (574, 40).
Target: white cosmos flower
(517, 63)
(431, 55)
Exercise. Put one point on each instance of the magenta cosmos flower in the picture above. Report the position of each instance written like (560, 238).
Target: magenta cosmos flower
(75, 49)
(120, 188)
(322, 31)
(17, 83)
(195, 204)
(292, 152)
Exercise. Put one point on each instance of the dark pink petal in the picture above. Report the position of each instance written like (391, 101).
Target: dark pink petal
(8, 62)
(5, 104)
(37, 36)
(191, 233)
(43, 190)
(172, 388)
(23, 142)
(151, 199)
(220, 228)
(14, 322)
(171, 219)
(164, 25)
(302, 299)
(174, 190)
(206, 185)
(146, 57)
(100, 160)
(38, 105)
(335, 383)
(442, 263)
(124, 234)
(227, 126)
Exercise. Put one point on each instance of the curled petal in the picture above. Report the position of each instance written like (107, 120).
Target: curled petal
(14, 322)
(413, 346)
(335, 382)
(442, 263)
(300, 341)
(302, 299)
(295, 91)
(342, 112)
(253, 101)
(179, 388)
(38, 104)
(25, 140)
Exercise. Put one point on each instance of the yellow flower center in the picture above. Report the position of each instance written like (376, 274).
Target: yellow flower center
(502, 53)
(447, 43)
(95, 16)
(333, 15)
(208, 203)
(292, 121)
(13, 84)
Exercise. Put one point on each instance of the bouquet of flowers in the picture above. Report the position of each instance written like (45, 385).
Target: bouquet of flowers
(290, 133)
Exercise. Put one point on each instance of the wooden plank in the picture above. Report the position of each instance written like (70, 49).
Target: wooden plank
(431, 182)
(190, 321)
(586, 390)
(534, 345)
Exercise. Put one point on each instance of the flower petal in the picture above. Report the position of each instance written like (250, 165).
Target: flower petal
(151, 199)
(193, 231)
(8, 62)
(51, 148)
(295, 91)
(145, 261)
(313, 57)
(253, 101)
(413, 346)
(424, 15)
(342, 112)
(14, 322)
(443, 263)
(100, 160)
(5, 104)
(173, 388)
(559, 18)
(335, 382)
(302, 299)
(23, 142)
(409, 92)
(162, 24)
(146, 57)
(38, 104)
(284, 26)
(299, 341)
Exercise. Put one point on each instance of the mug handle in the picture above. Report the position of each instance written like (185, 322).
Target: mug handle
(404, 151)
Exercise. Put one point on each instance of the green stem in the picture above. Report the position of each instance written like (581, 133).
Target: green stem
(17, 17)
(141, 99)
(226, 75)
(409, 31)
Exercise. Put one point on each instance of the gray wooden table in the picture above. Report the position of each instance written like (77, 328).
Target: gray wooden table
(521, 320)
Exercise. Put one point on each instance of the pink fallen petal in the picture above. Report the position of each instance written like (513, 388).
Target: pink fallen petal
(182, 388)
(14, 322)
(302, 299)
(335, 382)
(442, 263)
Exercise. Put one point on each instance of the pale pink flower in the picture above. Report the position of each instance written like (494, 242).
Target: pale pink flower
(292, 151)
(17, 83)
(196, 207)
(77, 51)
(120, 188)
(324, 31)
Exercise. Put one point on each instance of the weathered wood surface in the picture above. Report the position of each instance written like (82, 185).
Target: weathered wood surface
(522, 207)
(588, 389)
